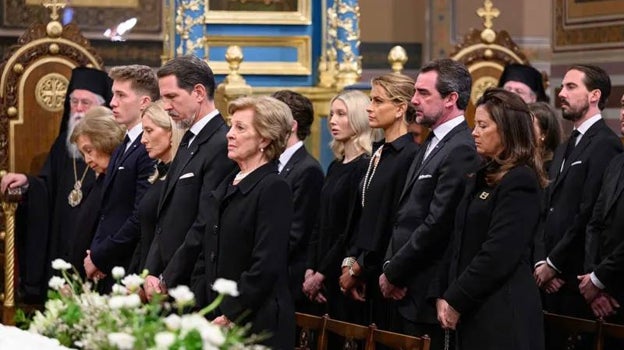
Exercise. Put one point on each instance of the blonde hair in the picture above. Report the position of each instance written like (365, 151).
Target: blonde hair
(356, 103)
(400, 89)
(162, 119)
(100, 127)
(272, 120)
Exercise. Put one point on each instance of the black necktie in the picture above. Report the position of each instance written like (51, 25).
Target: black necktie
(571, 144)
(188, 135)
(125, 143)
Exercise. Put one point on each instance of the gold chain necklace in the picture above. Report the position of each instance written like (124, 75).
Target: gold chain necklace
(75, 196)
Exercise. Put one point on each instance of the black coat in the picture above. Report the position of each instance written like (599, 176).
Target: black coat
(605, 241)
(304, 175)
(45, 222)
(571, 197)
(118, 229)
(490, 277)
(246, 240)
(424, 220)
(194, 172)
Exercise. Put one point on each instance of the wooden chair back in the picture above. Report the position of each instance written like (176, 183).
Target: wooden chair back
(398, 341)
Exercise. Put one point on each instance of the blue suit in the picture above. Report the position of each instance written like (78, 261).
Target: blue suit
(118, 228)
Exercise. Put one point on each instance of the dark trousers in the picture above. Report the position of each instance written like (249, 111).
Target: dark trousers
(434, 331)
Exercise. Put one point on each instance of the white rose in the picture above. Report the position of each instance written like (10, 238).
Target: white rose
(182, 295)
(56, 282)
(193, 321)
(60, 264)
(116, 302)
(132, 301)
(122, 341)
(164, 340)
(173, 322)
(132, 282)
(119, 289)
(118, 272)
(227, 287)
(212, 334)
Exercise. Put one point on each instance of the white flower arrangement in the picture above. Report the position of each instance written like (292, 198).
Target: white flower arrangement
(78, 317)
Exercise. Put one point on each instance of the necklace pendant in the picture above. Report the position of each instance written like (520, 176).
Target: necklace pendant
(75, 197)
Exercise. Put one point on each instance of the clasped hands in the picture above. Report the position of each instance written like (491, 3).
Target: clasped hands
(91, 270)
(601, 303)
(447, 315)
(312, 285)
(389, 290)
(350, 285)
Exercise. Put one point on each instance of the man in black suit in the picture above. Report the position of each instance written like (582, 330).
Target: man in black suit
(187, 88)
(305, 178)
(134, 88)
(434, 185)
(576, 176)
(602, 285)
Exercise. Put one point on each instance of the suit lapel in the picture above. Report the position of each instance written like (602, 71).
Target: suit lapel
(120, 158)
(184, 156)
(576, 153)
(298, 156)
(418, 165)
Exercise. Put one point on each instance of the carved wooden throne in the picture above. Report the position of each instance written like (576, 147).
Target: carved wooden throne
(34, 76)
(486, 53)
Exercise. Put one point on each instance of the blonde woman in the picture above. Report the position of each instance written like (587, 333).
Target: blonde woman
(390, 109)
(339, 207)
(161, 138)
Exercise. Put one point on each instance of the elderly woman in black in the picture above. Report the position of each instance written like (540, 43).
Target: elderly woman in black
(248, 226)
(491, 298)
(96, 137)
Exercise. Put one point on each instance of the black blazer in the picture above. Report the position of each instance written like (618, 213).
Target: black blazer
(193, 173)
(424, 220)
(246, 240)
(490, 277)
(118, 229)
(571, 197)
(304, 175)
(605, 242)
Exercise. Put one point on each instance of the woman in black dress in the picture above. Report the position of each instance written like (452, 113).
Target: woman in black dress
(389, 109)
(161, 138)
(339, 208)
(96, 136)
(488, 293)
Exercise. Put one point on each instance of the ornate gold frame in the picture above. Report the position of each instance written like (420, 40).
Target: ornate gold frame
(303, 15)
(587, 26)
(303, 65)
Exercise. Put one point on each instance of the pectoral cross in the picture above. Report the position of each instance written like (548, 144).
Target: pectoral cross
(55, 5)
(488, 12)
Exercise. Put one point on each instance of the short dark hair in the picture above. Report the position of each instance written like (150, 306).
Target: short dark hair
(453, 76)
(301, 108)
(190, 70)
(595, 78)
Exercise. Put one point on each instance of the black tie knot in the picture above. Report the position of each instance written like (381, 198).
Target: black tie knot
(571, 144)
(188, 135)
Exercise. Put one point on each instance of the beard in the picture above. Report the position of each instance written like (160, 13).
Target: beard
(574, 114)
(72, 149)
(182, 124)
(428, 120)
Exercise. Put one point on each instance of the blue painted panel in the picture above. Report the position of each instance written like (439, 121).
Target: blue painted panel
(272, 80)
(257, 30)
(327, 156)
(259, 54)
